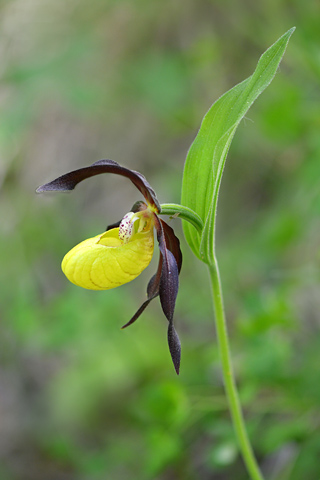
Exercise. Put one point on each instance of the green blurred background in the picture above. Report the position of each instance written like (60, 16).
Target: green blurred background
(130, 81)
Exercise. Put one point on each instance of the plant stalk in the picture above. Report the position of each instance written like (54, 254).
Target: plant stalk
(228, 375)
(183, 212)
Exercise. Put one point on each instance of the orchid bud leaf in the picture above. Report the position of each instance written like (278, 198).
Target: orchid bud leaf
(206, 157)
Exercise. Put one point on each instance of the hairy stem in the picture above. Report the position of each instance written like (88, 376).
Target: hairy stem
(228, 375)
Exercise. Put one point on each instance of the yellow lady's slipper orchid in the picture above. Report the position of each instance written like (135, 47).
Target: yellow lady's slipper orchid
(121, 253)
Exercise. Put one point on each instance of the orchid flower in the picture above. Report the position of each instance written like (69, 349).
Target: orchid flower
(120, 254)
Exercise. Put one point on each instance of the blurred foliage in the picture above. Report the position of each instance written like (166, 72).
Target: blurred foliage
(130, 81)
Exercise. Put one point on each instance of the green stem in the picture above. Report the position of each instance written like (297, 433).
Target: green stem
(228, 375)
(182, 212)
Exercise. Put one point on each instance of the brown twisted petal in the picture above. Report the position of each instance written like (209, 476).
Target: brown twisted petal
(152, 292)
(168, 290)
(70, 180)
(172, 243)
(166, 284)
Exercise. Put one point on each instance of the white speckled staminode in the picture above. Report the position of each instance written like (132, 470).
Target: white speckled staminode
(126, 227)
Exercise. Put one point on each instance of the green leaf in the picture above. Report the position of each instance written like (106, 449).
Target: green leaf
(206, 157)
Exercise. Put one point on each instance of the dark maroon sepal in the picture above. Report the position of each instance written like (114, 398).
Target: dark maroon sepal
(138, 207)
(70, 180)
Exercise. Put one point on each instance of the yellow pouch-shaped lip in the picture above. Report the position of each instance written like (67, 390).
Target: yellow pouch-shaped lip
(105, 262)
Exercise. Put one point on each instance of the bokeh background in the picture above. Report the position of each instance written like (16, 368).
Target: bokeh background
(130, 81)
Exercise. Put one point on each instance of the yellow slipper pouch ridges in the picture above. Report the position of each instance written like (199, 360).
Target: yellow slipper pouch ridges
(105, 262)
